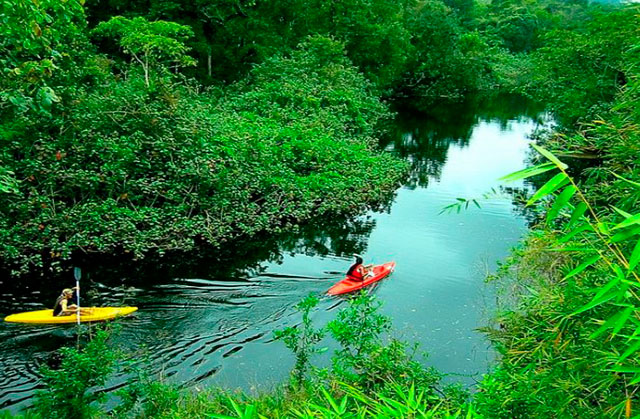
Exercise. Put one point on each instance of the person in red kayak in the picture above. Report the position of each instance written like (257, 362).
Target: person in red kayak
(358, 271)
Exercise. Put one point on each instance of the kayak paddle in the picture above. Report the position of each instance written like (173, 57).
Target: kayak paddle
(77, 273)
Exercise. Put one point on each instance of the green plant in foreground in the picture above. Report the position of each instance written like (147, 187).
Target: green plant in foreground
(572, 346)
(365, 359)
(302, 340)
(71, 389)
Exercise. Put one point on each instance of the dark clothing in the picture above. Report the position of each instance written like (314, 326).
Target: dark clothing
(57, 308)
(355, 272)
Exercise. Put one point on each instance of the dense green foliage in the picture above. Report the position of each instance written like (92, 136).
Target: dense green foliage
(110, 145)
(151, 162)
(160, 125)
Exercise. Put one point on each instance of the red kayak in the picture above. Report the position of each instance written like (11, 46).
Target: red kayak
(349, 285)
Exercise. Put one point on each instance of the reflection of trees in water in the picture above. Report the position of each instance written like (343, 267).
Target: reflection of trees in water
(338, 237)
(519, 197)
(342, 236)
(424, 138)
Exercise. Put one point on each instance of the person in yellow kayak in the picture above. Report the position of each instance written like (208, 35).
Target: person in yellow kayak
(62, 307)
(358, 271)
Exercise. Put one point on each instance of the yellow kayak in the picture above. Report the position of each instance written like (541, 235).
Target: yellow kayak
(46, 316)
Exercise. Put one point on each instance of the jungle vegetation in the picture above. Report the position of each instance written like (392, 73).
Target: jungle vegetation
(151, 126)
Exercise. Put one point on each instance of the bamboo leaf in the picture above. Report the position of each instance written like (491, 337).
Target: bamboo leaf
(602, 291)
(636, 184)
(624, 316)
(635, 256)
(634, 219)
(594, 303)
(636, 379)
(573, 249)
(584, 265)
(560, 202)
(549, 155)
(551, 186)
(630, 350)
(528, 172)
(619, 272)
(578, 213)
(604, 228)
(625, 368)
(603, 328)
(621, 212)
(625, 234)
(575, 232)
(612, 322)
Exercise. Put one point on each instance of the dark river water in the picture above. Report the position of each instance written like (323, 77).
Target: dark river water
(208, 319)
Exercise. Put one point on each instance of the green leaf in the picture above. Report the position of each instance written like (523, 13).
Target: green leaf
(625, 368)
(584, 265)
(575, 232)
(573, 249)
(560, 202)
(625, 234)
(630, 350)
(614, 322)
(636, 379)
(551, 186)
(635, 256)
(578, 213)
(624, 316)
(604, 228)
(621, 212)
(634, 219)
(602, 291)
(636, 184)
(528, 172)
(549, 155)
(594, 303)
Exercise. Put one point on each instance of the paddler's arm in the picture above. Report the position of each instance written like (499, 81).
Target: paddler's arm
(68, 309)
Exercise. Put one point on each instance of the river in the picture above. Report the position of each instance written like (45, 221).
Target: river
(208, 319)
